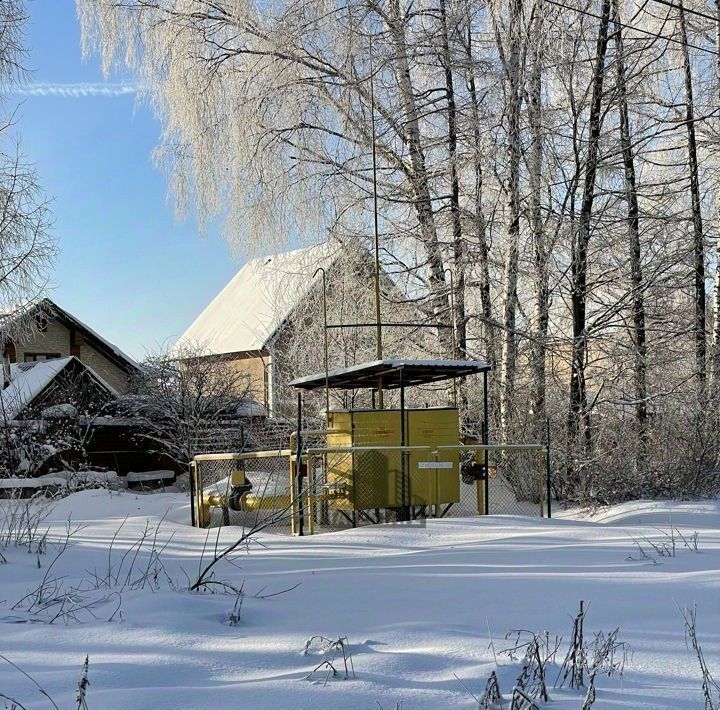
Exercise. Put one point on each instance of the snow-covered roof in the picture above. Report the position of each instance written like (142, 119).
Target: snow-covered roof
(393, 373)
(9, 319)
(110, 346)
(29, 379)
(248, 312)
(250, 407)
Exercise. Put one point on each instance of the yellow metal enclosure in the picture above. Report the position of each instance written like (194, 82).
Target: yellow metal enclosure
(385, 477)
(367, 465)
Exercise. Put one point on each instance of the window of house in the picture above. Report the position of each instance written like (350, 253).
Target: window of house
(40, 357)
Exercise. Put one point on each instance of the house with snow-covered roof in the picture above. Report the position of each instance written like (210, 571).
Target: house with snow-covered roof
(60, 413)
(43, 331)
(243, 323)
(47, 388)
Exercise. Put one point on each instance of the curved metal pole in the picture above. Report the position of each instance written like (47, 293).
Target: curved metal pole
(452, 331)
(325, 341)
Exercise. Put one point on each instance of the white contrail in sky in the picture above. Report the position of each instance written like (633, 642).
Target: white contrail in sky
(74, 91)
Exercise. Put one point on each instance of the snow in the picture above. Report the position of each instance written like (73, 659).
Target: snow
(247, 313)
(73, 480)
(59, 411)
(477, 365)
(144, 476)
(70, 480)
(430, 363)
(418, 603)
(14, 483)
(250, 407)
(29, 379)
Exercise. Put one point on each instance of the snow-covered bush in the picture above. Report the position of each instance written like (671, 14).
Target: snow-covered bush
(188, 402)
(52, 432)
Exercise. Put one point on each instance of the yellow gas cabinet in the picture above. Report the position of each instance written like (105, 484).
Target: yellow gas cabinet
(378, 474)
(434, 478)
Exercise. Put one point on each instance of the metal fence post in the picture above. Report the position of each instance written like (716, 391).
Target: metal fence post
(191, 470)
(485, 439)
(487, 482)
(548, 486)
(405, 510)
(298, 467)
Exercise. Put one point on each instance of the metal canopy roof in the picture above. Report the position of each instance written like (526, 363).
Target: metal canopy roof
(394, 373)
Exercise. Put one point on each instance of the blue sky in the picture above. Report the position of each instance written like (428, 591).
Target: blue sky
(127, 267)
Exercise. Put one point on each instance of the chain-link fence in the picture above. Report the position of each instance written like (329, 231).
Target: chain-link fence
(517, 482)
(342, 487)
(231, 489)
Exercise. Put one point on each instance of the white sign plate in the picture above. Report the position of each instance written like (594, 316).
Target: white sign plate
(435, 464)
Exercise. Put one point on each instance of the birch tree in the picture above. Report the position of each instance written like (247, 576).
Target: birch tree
(27, 250)
(513, 69)
(541, 254)
(579, 413)
(283, 118)
(716, 303)
(698, 240)
(556, 160)
(633, 226)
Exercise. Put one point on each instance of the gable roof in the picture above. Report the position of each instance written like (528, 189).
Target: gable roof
(249, 311)
(48, 308)
(30, 379)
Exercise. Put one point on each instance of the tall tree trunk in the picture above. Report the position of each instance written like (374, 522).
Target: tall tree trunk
(540, 246)
(716, 305)
(513, 74)
(459, 250)
(579, 414)
(488, 327)
(419, 180)
(698, 236)
(633, 225)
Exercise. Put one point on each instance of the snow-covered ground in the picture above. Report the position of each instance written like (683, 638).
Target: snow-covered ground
(418, 603)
